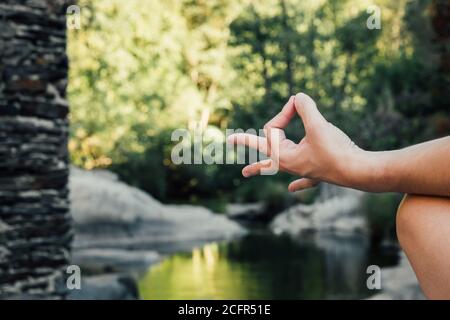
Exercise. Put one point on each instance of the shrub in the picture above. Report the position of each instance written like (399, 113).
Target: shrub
(380, 210)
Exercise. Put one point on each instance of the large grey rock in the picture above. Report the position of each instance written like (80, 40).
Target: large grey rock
(399, 283)
(337, 211)
(245, 211)
(108, 213)
(99, 197)
(114, 260)
(105, 287)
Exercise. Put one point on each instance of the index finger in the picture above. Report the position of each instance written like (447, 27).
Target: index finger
(249, 140)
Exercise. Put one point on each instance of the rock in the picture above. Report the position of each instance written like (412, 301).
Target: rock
(399, 283)
(339, 213)
(113, 260)
(108, 213)
(246, 211)
(98, 197)
(195, 222)
(105, 287)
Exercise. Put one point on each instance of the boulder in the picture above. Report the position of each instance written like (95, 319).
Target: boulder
(338, 213)
(108, 213)
(105, 287)
(114, 260)
(99, 197)
(245, 211)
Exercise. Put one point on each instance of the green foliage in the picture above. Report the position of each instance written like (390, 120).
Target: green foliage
(141, 68)
(381, 211)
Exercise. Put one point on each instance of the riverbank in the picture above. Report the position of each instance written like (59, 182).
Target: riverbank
(121, 232)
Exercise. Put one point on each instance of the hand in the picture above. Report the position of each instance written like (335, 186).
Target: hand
(324, 154)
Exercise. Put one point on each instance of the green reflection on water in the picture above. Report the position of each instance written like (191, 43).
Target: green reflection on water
(261, 267)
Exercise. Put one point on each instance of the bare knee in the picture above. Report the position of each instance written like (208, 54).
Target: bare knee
(423, 225)
(419, 217)
(408, 220)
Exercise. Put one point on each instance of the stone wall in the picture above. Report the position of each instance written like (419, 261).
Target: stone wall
(35, 225)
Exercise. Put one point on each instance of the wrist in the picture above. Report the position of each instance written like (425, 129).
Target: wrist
(370, 171)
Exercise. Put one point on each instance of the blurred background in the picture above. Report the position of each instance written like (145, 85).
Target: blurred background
(140, 69)
(147, 228)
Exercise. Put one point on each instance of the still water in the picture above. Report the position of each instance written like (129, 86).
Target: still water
(265, 266)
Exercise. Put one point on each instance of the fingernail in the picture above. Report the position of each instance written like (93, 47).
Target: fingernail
(245, 174)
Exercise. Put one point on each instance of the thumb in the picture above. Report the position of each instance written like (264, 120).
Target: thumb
(307, 109)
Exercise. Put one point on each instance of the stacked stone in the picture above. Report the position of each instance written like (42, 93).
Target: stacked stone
(35, 225)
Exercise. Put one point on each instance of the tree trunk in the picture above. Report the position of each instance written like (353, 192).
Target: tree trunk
(441, 26)
(35, 224)
(286, 45)
(260, 48)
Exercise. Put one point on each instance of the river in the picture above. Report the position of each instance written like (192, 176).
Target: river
(262, 265)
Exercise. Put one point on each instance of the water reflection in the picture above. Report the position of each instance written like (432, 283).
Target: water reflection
(264, 266)
(345, 260)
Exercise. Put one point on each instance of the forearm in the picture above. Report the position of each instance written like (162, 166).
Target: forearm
(419, 169)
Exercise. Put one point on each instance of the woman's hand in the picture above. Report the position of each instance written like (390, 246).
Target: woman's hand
(328, 154)
(324, 154)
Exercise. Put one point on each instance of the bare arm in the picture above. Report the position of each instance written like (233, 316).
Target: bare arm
(328, 154)
(420, 169)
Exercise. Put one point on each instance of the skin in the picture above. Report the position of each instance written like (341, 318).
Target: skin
(328, 154)
(423, 229)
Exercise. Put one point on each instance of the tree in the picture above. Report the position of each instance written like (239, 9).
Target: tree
(233, 64)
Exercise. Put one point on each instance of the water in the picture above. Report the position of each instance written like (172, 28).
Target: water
(265, 266)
